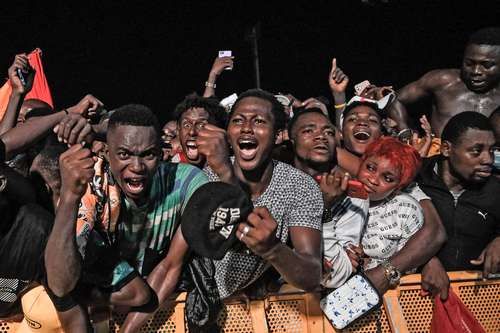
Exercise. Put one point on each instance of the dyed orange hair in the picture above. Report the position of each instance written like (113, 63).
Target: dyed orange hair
(400, 155)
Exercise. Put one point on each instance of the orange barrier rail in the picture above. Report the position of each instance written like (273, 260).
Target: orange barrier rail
(404, 310)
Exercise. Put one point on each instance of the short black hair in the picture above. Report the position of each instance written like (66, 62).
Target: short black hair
(299, 112)
(134, 115)
(277, 109)
(486, 36)
(216, 112)
(460, 123)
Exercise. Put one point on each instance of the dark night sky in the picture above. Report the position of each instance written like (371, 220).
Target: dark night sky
(126, 52)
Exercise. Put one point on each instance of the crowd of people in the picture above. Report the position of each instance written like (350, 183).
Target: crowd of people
(94, 202)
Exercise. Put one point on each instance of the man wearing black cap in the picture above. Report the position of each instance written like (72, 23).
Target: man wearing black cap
(288, 203)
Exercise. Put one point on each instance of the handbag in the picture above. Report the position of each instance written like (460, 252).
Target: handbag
(356, 298)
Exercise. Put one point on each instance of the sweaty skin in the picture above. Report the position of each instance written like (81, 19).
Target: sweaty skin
(476, 87)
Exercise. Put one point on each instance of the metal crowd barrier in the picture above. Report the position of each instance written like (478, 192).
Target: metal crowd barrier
(403, 310)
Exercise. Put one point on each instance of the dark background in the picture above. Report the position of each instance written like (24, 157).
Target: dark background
(155, 54)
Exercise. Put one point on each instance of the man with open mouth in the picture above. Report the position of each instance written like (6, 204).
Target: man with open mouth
(474, 87)
(192, 114)
(288, 203)
(361, 125)
(126, 212)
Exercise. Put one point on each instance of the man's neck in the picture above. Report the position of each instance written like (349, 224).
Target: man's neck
(310, 169)
(256, 181)
(453, 183)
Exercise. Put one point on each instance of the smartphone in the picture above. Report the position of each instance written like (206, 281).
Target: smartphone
(23, 74)
(227, 53)
(358, 89)
(355, 189)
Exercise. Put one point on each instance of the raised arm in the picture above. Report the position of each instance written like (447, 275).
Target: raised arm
(220, 64)
(338, 82)
(413, 92)
(19, 138)
(19, 91)
(62, 259)
(163, 280)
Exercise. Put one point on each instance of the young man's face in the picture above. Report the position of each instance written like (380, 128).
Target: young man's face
(251, 132)
(313, 139)
(481, 67)
(190, 123)
(134, 154)
(471, 158)
(361, 126)
(379, 177)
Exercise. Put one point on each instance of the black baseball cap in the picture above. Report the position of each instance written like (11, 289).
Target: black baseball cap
(211, 218)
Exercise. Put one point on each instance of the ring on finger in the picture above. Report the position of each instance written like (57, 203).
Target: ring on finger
(245, 231)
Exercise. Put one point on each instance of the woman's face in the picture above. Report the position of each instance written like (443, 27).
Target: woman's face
(379, 177)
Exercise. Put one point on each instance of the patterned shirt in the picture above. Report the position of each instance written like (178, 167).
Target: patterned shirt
(294, 200)
(390, 225)
(149, 227)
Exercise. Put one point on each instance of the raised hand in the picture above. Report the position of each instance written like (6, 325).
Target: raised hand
(220, 64)
(21, 62)
(333, 186)
(337, 79)
(212, 143)
(74, 128)
(87, 106)
(77, 169)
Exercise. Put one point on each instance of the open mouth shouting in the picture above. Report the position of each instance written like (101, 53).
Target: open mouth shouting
(134, 186)
(191, 150)
(247, 147)
(361, 135)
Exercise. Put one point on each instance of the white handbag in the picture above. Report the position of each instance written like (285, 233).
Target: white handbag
(355, 298)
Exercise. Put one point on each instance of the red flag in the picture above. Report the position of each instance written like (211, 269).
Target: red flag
(40, 89)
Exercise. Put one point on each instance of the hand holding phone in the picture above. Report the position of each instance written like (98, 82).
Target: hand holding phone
(355, 189)
(358, 89)
(229, 54)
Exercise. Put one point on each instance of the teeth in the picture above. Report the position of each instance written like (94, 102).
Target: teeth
(191, 145)
(362, 135)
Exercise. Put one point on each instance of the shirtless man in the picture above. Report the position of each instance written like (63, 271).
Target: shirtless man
(474, 87)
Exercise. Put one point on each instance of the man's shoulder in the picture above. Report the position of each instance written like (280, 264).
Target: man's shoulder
(180, 172)
(294, 177)
(441, 78)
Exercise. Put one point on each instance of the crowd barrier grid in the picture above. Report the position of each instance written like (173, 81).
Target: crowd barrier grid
(291, 310)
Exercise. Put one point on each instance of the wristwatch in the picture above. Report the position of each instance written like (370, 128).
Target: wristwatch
(391, 273)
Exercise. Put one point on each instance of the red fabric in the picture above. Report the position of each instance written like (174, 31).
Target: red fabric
(452, 316)
(40, 89)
